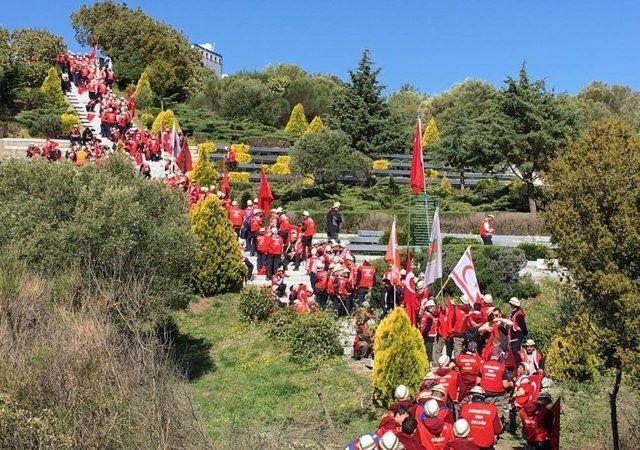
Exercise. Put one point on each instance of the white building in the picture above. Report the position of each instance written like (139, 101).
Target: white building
(209, 57)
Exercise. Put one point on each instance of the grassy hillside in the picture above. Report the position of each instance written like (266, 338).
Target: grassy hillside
(244, 385)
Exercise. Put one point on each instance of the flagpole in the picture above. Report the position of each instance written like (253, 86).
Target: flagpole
(443, 286)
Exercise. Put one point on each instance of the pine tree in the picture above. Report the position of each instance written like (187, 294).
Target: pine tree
(401, 357)
(164, 118)
(298, 121)
(431, 134)
(315, 125)
(204, 174)
(218, 264)
(143, 94)
(52, 88)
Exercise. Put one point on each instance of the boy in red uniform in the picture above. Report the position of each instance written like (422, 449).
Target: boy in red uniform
(236, 216)
(462, 440)
(274, 253)
(308, 229)
(468, 364)
(483, 419)
(537, 423)
(365, 278)
(434, 433)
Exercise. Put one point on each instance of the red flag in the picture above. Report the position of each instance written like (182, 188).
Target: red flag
(92, 55)
(265, 197)
(139, 158)
(90, 117)
(555, 431)
(183, 160)
(417, 162)
(408, 264)
(226, 189)
(393, 255)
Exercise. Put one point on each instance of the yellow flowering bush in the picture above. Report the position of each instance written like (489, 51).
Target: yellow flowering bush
(242, 153)
(381, 164)
(431, 174)
(239, 177)
(281, 167)
(67, 121)
(445, 185)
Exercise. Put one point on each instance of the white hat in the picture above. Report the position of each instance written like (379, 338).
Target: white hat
(477, 390)
(420, 285)
(514, 301)
(389, 441)
(491, 216)
(464, 299)
(430, 376)
(444, 361)
(488, 298)
(366, 442)
(439, 388)
(343, 245)
(423, 395)
(461, 428)
(530, 343)
(255, 200)
(234, 203)
(249, 203)
(274, 230)
(314, 251)
(305, 213)
(402, 392)
(431, 408)
(403, 272)
(430, 303)
(336, 205)
(261, 230)
(204, 189)
(279, 210)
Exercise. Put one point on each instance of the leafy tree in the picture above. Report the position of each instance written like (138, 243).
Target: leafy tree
(298, 121)
(594, 191)
(327, 156)
(136, 42)
(315, 125)
(278, 84)
(360, 111)
(250, 99)
(33, 51)
(466, 114)
(52, 88)
(204, 174)
(404, 106)
(431, 134)
(532, 125)
(313, 92)
(401, 357)
(143, 93)
(600, 100)
(218, 266)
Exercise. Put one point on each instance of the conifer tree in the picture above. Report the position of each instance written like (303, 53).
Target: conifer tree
(298, 121)
(52, 87)
(204, 174)
(218, 264)
(431, 134)
(315, 125)
(164, 118)
(143, 93)
(401, 357)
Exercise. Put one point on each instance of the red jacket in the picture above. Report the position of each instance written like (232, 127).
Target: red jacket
(256, 223)
(484, 422)
(462, 444)
(236, 216)
(308, 227)
(366, 276)
(434, 433)
(492, 373)
(263, 243)
(449, 379)
(276, 245)
(410, 442)
(537, 423)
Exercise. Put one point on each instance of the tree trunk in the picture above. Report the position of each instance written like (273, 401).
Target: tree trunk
(531, 196)
(613, 397)
(462, 185)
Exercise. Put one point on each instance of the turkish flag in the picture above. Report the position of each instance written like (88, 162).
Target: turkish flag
(225, 183)
(555, 431)
(393, 255)
(90, 117)
(417, 162)
(408, 263)
(265, 197)
(464, 275)
(183, 160)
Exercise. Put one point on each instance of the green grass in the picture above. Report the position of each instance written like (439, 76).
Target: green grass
(252, 388)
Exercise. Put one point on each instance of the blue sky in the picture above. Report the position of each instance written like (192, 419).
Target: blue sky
(431, 44)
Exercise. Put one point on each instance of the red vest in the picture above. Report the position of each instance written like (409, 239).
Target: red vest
(256, 223)
(322, 277)
(431, 441)
(483, 231)
(483, 419)
(514, 318)
(468, 364)
(342, 287)
(460, 321)
(263, 243)
(492, 373)
(309, 227)
(275, 245)
(236, 216)
(449, 379)
(367, 276)
(433, 330)
(536, 425)
(331, 288)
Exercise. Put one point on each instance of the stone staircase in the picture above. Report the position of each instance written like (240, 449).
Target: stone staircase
(79, 102)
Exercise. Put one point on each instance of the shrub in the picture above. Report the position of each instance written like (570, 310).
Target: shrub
(108, 222)
(281, 167)
(243, 158)
(450, 240)
(572, 355)
(239, 177)
(535, 251)
(143, 94)
(281, 323)
(241, 148)
(67, 121)
(313, 338)
(315, 125)
(445, 185)
(400, 356)
(208, 147)
(297, 122)
(431, 134)
(52, 88)
(431, 174)
(204, 174)
(49, 125)
(381, 164)
(218, 265)
(164, 119)
(147, 120)
(256, 304)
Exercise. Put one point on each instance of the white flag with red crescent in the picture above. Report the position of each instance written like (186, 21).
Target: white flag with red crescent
(464, 275)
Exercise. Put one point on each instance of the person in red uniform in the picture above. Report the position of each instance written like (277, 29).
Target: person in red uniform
(468, 364)
(447, 377)
(483, 419)
(320, 287)
(486, 230)
(345, 292)
(255, 224)
(274, 253)
(408, 436)
(409, 297)
(461, 323)
(531, 358)
(429, 326)
(462, 439)
(262, 247)
(518, 327)
(392, 421)
(308, 229)
(236, 216)
(365, 278)
(434, 432)
(495, 380)
(537, 423)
